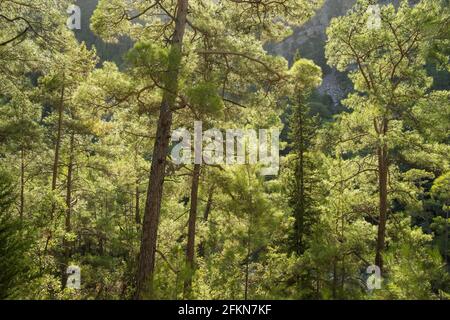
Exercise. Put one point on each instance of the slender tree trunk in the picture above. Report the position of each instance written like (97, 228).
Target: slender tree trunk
(247, 262)
(56, 161)
(144, 287)
(383, 164)
(137, 214)
(22, 183)
(343, 275)
(343, 220)
(201, 246)
(190, 248)
(301, 169)
(68, 224)
(208, 204)
(246, 277)
(446, 237)
(57, 147)
(298, 195)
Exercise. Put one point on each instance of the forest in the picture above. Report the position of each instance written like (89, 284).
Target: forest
(102, 198)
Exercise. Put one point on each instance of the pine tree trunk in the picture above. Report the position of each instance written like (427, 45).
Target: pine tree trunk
(246, 276)
(382, 153)
(249, 250)
(146, 266)
(247, 263)
(190, 248)
(22, 183)
(301, 169)
(137, 214)
(201, 246)
(446, 238)
(298, 194)
(57, 147)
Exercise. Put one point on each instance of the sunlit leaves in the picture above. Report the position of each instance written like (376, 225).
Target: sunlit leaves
(149, 60)
(204, 99)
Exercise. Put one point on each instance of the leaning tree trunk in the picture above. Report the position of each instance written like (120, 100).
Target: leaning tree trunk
(382, 153)
(146, 265)
(190, 248)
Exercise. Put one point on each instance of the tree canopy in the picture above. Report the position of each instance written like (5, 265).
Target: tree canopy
(358, 207)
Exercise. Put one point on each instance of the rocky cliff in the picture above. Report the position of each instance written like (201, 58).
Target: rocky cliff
(309, 40)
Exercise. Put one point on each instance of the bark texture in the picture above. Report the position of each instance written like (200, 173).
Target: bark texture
(146, 265)
(190, 248)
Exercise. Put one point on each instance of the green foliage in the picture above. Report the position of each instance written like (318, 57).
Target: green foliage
(13, 243)
(204, 98)
(416, 271)
(305, 75)
(76, 138)
(148, 58)
(441, 187)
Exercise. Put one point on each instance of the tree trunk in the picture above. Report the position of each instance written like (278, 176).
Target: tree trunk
(301, 173)
(137, 208)
(57, 147)
(190, 248)
(446, 238)
(68, 224)
(144, 287)
(22, 183)
(201, 246)
(246, 277)
(383, 164)
(137, 214)
(249, 250)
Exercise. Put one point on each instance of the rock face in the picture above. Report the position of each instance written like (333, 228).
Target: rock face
(309, 40)
(314, 28)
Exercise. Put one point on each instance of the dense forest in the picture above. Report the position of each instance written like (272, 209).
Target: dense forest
(95, 203)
